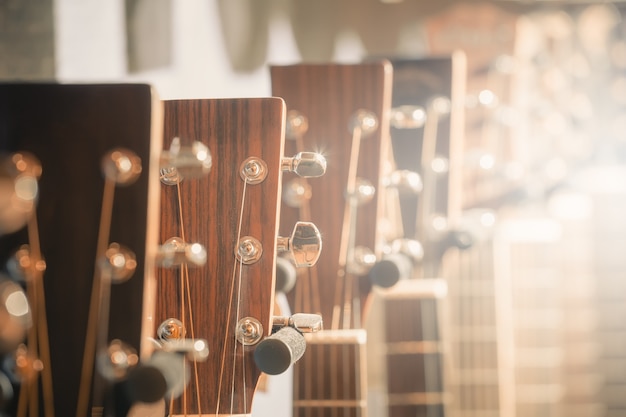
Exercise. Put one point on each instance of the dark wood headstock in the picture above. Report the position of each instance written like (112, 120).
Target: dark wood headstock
(216, 210)
(329, 96)
(69, 129)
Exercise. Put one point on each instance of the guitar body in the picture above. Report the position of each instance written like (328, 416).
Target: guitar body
(330, 378)
(215, 210)
(69, 128)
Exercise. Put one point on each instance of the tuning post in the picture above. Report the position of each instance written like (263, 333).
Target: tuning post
(176, 252)
(305, 164)
(19, 173)
(297, 124)
(116, 360)
(304, 244)
(364, 191)
(171, 329)
(171, 334)
(122, 166)
(253, 170)
(441, 104)
(364, 120)
(180, 162)
(248, 250)
(362, 260)
(296, 192)
(249, 331)
(120, 262)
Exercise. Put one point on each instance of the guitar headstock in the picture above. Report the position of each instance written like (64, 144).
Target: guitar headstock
(340, 111)
(84, 138)
(424, 188)
(231, 210)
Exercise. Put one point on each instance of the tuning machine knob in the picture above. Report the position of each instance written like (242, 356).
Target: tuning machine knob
(176, 252)
(398, 264)
(286, 345)
(192, 161)
(304, 244)
(305, 164)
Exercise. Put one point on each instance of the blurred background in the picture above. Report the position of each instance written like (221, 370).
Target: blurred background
(546, 120)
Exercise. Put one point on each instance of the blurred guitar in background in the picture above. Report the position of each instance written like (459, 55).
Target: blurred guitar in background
(340, 111)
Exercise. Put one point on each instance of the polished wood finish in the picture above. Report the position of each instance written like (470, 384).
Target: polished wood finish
(209, 212)
(330, 379)
(69, 128)
(328, 95)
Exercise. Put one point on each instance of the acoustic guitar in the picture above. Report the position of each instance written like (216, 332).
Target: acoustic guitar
(219, 237)
(341, 111)
(79, 233)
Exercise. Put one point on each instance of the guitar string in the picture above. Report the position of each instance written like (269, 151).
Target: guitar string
(238, 310)
(93, 327)
(185, 289)
(42, 320)
(228, 315)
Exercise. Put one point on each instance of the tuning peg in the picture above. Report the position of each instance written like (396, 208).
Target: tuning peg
(175, 252)
(304, 244)
(287, 344)
(408, 117)
(398, 264)
(305, 164)
(180, 162)
(19, 173)
(302, 322)
(121, 165)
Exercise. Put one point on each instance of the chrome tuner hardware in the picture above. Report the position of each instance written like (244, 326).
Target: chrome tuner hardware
(362, 260)
(302, 322)
(408, 117)
(296, 192)
(116, 360)
(297, 124)
(248, 250)
(397, 264)
(192, 349)
(176, 252)
(364, 120)
(305, 164)
(286, 344)
(180, 162)
(405, 181)
(120, 262)
(19, 174)
(364, 191)
(122, 166)
(249, 331)
(304, 244)
(253, 170)
(170, 329)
